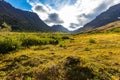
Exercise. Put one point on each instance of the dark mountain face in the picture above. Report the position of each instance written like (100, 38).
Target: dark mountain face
(24, 20)
(111, 15)
(59, 28)
(21, 20)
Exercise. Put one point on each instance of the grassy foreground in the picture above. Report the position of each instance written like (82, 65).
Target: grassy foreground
(57, 56)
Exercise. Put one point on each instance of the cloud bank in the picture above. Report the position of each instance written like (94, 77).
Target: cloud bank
(72, 14)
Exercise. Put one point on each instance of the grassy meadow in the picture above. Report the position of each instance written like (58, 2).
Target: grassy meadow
(59, 56)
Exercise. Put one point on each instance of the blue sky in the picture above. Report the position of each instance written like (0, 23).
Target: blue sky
(72, 14)
(21, 4)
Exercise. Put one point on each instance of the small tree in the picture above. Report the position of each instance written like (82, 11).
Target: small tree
(6, 27)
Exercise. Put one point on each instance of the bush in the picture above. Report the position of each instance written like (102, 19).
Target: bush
(53, 42)
(71, 61)
(65, 37)
(62, 45)
(59, 37)
(30, 42)
(38, 41)
(92, 41)
(116, 30)
(8, 45)
(87, 49)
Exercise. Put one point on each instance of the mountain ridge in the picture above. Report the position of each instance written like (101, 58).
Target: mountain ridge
(106, 17)
(109, 16)
(20, 20)
(59, 28)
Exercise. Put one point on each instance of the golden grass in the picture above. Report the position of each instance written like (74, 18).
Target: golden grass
(101, 57)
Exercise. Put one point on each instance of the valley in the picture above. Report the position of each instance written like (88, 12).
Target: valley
(59, 56)
(59, 40)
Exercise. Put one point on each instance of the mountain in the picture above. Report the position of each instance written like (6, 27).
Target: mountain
(109, 16)
(111, 27)
(20, 20)
(59, 28)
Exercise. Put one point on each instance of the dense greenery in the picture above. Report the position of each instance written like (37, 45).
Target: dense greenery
(14, 42)
(7, 45)
(57, 56)
(38, 41)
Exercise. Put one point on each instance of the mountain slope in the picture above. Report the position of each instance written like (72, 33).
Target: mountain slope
(20, 20)
(109, 16)
(111, 27)
(24, 20)
(59, 28)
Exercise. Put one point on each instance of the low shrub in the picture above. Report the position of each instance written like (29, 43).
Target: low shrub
(87, 49)
(62, 45)
(38, 41)
(116, 30)
(31, 42)
(71, 61)
(92, 41)
(48, 73)
(74, 71)
(8, 45)
(53, 41)
(65, 37)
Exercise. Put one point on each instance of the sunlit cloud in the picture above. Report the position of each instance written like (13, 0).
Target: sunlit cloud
(72, 14)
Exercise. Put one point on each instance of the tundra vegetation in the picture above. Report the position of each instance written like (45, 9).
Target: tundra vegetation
(59, 56)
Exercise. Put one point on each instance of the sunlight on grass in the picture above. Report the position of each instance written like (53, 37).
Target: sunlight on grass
(72, 57)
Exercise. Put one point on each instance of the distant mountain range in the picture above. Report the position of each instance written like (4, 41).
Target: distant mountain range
(59, 28)
(24, 20)
(109, 16)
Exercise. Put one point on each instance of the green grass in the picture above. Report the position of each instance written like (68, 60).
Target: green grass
(57, 56)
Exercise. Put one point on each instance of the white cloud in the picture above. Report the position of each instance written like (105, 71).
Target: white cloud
(73, 15)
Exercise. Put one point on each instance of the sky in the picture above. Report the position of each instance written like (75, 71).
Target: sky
(72, 14)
